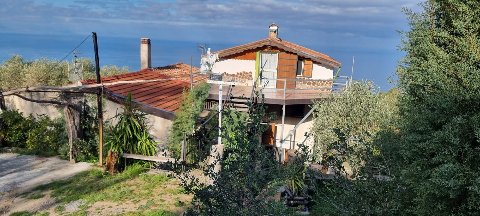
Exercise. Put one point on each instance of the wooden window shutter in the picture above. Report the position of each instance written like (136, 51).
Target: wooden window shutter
(287, 68)
(307, 68)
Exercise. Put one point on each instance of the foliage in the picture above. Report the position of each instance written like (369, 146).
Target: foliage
(248, 175)
(355, 133)
(86, 148)
(17, 72)
(341, 196)
(187, 119)
(13, 127)
(440, 107)
(45, 137)
(130, 134)
(346, 126)
(36, 135)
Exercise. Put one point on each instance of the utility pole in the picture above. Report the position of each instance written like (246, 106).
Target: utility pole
(99, 101)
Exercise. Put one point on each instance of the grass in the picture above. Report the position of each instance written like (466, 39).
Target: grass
(22, 213)
(133, 191)
(35, 195)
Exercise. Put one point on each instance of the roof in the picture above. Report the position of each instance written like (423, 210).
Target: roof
(284, 45)
(159, 91)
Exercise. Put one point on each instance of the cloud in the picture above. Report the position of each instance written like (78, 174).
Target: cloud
(371, 24)
(340, 28)
(317, 15)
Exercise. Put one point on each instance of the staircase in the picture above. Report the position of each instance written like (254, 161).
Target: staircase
(230, 101)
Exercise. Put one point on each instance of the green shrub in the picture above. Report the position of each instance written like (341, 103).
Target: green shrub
(130, 134)
(36, 135)
(45, 137)
(13, 128)
(86, 148)
(187, 119)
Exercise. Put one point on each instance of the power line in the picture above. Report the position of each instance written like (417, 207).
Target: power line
(73, 50)
(69, 53)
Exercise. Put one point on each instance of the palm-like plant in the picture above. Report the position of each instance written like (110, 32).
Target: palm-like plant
(129, 135)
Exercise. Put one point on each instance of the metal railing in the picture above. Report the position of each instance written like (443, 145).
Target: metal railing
(277, 85)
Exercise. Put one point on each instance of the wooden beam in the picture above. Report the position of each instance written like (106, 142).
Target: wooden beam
(148, 158)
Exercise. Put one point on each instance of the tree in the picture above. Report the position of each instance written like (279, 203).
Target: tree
(353, 133)
(440, 108)
(249, 172)
(16, 72)
(346, 126)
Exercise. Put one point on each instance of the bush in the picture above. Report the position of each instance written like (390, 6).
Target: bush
(13, 128)
(186, 120)
(46, 136)
(130, 134)
(35, 135)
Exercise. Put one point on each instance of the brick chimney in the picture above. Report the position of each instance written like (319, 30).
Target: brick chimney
(273, 31)
(145, 54)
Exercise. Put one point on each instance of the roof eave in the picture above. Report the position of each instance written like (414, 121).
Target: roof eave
(271, 42)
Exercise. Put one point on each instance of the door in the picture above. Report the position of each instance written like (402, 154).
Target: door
(268, 69)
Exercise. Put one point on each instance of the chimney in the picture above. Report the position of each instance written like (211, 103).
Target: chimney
(273, 31)
(145, 54)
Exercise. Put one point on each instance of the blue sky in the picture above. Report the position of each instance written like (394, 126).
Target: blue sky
(366, 29)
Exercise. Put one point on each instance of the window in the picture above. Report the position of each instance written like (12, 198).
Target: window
(300, 66)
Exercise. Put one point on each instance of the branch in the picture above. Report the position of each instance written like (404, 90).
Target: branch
(79, 88)
(41, 101)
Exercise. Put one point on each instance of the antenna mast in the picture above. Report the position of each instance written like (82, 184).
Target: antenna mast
(351, 75)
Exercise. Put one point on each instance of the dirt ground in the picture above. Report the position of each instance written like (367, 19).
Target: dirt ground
(21, 173)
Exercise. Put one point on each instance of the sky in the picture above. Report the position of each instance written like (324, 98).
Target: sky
(368, 30)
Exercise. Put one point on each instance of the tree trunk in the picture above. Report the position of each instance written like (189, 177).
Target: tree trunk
(112, 160)
(2, 102)
(72, 113)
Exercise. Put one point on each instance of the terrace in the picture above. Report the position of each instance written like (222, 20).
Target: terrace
(275, 91)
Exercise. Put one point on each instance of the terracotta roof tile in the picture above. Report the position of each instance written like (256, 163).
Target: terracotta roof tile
(284, 45)
(161, 97)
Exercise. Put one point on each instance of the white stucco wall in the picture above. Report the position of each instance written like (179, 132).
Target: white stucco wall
(158, 127)
(233, 66)
(13, 102)
(321, 72)
(290, 123)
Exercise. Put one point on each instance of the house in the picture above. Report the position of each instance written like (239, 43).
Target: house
(288, 76)
(156, 91)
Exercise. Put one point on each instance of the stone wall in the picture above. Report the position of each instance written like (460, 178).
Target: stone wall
(314, 84)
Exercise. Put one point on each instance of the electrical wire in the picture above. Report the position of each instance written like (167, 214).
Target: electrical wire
(57, 64)
(83, 41)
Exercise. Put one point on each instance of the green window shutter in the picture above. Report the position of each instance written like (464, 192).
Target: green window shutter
(257, 65)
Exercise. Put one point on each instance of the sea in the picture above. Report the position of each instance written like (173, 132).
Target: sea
(373, 64)
(119, 51)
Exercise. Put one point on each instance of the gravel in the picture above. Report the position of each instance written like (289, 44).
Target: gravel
(21, 173)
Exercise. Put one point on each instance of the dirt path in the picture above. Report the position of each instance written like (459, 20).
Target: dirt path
(21, 173)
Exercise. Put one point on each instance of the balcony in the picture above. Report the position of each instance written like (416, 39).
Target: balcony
(275, 91)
